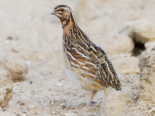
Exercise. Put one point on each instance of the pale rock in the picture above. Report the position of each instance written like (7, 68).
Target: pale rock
(124, 102)
(149, 45)
(141, 31)
(116, 43)
(18, 68)
(6, 87)
(2, 62)
(28, 62)
(6, 42)
(126, 65)
(147, 78)
(59, 84)
(31, 107)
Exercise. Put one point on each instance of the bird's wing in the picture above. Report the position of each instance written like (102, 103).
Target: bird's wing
(91, 61)
(107, 73)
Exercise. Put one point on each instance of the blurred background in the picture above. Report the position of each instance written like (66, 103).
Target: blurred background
(122, 28)
(32, 28)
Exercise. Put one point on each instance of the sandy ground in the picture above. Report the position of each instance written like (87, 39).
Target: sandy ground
(29, 32)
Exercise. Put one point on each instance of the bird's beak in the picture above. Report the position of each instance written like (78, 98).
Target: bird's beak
(53, 13)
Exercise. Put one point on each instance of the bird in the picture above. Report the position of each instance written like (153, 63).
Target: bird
(87, 65)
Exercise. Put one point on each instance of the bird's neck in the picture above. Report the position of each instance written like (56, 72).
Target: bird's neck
(68, 26)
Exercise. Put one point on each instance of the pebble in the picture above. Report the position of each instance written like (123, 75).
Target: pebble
(22, 104)
(28, 62)
(31, 107)
(6, 42)
(11, 38)
(59, 84)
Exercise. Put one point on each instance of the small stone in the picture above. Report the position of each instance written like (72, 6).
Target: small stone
(31, 82)
(11, 38)
(28, 62)
(31, 107)
(59, 84)
(6, 42)
(22, 104)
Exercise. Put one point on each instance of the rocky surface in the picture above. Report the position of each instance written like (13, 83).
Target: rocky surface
(6, 87)
(126, 65)
(141, 31)
(149, 45)
(124, 102)
(122, 44)
(18, 68)
(147, 67)
(10, 69)
(137, 94)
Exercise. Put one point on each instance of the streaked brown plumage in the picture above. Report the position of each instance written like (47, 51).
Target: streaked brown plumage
(87, 64)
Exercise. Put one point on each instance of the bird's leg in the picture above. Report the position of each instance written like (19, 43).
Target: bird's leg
(105, 91)
(91, 98)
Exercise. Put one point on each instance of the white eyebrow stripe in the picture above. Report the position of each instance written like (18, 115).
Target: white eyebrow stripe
(67, 8)
(64, 8)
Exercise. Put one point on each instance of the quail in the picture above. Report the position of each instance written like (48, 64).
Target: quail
(87, 65)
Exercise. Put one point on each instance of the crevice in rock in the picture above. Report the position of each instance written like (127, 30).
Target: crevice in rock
(138, 49)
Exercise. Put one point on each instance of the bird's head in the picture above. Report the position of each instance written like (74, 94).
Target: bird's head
(63, 12)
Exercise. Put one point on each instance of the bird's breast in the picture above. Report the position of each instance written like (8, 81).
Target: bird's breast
(80, 69)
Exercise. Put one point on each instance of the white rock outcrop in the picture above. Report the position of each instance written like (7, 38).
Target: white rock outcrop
(141, 31)
(115, 44)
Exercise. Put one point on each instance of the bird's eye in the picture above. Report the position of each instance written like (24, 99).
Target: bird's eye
(62, 10)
